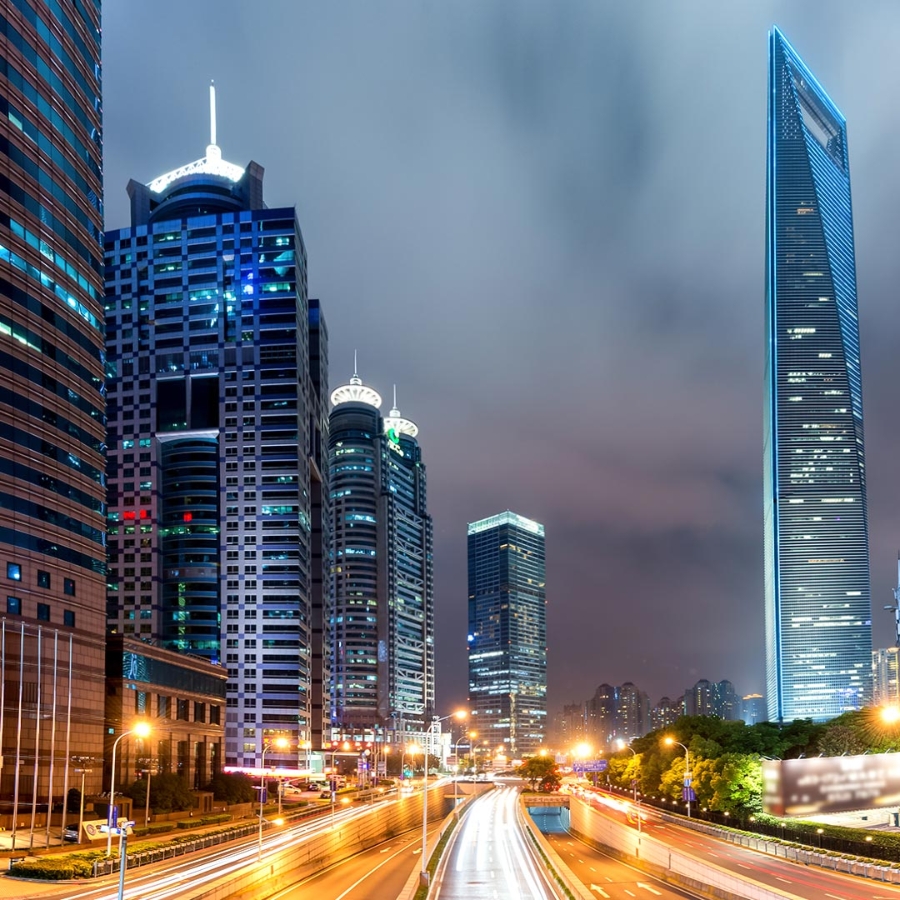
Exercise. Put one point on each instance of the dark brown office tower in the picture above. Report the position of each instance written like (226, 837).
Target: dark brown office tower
(52, 409)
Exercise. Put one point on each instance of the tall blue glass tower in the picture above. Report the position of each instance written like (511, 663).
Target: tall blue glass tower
(818, 604)
(507, 636)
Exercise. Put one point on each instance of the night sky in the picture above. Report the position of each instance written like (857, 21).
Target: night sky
(545, 223)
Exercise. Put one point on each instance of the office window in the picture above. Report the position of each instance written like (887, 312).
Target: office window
(162, 706)
(69, 587)
(14, 606)
(43, 612)
(43, 579)
(14, 571)
(69, 618)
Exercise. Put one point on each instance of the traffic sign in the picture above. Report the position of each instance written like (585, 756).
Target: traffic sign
(590, 765)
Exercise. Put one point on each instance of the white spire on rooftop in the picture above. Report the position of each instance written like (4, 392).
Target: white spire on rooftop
(394, 422)
(355, 391)
(211, 164)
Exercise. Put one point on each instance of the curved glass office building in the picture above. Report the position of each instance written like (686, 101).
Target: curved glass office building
(818, 605)
(52, 403)
(382, 620)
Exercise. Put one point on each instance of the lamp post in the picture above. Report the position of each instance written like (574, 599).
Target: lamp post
(142, 730)
(637, 802)
(469, 735)
(687, 771)
(461, 715)
(280, 743)
(81, 772)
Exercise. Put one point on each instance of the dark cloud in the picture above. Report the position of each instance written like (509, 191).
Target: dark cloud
(545, 223)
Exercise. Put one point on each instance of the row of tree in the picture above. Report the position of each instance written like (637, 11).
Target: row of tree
(725, 757)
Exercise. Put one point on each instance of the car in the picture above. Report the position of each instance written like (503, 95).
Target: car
(70, 834)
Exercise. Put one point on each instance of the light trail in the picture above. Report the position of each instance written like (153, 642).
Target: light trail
(200, 869)
(490, 858)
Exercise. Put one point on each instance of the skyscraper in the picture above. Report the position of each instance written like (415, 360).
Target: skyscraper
(382, 619)
(52, 404)
(217, 411)
(507, 637)
(818, 606)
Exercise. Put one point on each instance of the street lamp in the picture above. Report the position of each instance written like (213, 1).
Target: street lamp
(142, 730)
(344, 746)
(470, 735)
(81, 772)
(637, 802)
(687, 771)
(461, 715)
(280, 743)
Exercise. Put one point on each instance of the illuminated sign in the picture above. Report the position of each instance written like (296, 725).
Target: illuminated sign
(805, 787)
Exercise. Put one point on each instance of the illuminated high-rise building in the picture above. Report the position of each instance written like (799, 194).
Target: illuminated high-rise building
(52, 403)
(217, 380)
(817, 596)
(507, 636)
(382, 617)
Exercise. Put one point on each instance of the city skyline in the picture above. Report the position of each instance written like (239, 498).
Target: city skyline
(486, 225)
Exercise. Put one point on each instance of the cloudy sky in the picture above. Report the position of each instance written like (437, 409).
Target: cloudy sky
(545, 223)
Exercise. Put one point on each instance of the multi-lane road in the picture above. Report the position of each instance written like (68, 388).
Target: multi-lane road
(490, 858)
(791, 879)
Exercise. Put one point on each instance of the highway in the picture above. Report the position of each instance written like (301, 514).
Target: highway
(606, 876)
(792, 879)
(489, 857)
(172, 879)
(375, 874)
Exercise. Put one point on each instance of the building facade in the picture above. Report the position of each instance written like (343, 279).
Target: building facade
(181, 697)
(52, 403)
(382, 618)
(817, 595)
(216, 433)
(507, 636)
(886, 677)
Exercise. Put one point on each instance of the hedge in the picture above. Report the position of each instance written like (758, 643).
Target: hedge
(45, 869)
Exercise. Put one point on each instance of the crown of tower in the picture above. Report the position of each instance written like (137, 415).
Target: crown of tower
(211, 164)
(394, 422)
(355, 391)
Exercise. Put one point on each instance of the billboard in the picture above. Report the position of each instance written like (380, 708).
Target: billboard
(806, 787)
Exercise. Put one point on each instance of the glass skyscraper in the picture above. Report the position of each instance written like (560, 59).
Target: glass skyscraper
(507, 637)
(382, 619)
(217, 373)
(818, 605)
(52, 403)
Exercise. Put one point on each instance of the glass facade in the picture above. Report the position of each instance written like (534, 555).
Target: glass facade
(507, 637)
(382, 620)
(216, 420)
(52, 403)
(818, 604)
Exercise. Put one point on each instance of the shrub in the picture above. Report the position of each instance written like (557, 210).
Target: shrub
(44, 869)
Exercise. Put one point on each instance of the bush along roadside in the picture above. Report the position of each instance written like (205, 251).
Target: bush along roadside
(80, 863)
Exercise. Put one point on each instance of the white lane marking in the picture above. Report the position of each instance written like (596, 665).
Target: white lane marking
(599, 890)
(743, 866)
(647, 887)
(782, 879)
(628, 892)
(835, 896)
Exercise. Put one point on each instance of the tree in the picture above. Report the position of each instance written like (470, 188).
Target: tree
(736, 784)
(233, 788)
(541, 769)
(167, 793)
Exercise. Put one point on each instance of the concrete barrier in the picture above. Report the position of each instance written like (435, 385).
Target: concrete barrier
(315, 852)
(674, 866)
